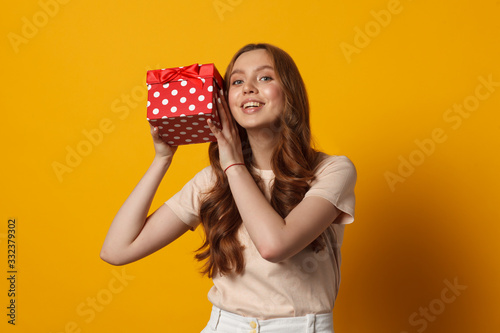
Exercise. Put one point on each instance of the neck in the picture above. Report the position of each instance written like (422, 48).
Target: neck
(262, 142)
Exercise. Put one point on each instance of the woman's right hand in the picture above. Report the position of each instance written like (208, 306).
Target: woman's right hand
(162, 149)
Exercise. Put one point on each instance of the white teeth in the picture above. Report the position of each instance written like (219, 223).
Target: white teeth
(251, 105)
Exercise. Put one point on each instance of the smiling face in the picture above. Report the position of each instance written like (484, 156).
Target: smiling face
(255, 96)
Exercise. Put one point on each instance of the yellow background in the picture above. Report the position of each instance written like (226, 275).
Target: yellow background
(86, 63)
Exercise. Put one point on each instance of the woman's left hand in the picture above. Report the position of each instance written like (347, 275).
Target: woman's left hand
(228, 139)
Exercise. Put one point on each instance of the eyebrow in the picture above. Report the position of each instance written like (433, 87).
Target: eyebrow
(239, 71)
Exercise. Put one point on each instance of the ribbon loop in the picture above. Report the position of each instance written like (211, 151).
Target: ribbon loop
(180, 73)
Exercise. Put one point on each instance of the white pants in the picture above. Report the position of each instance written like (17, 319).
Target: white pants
(227, 322)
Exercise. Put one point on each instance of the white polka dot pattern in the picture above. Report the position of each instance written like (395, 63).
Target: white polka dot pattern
(184, 106)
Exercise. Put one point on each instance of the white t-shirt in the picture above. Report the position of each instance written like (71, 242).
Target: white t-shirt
(306, 283)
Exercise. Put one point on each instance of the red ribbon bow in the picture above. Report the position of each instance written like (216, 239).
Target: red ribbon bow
(175, 74)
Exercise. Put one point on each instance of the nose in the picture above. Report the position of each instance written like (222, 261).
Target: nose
(249, 87)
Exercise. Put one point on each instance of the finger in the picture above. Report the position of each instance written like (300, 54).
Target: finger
(229, 119)
(223, 101)
(224, 117)
(215, 130)
(155, 133)
(213, 127)
(154, 130)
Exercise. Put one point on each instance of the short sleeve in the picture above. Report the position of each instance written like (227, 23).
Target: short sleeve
(186, 203)
(335, 181)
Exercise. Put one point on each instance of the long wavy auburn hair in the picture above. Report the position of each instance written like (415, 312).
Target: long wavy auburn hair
(293, 164)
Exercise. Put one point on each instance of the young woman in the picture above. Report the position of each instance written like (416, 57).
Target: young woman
(273, 209)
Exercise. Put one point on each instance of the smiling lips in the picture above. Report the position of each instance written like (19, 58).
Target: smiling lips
(251, 106)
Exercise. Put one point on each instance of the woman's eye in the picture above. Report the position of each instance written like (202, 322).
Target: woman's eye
(266, 78)
(235, 82)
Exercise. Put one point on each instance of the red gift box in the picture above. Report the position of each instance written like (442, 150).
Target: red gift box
(180, 100)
